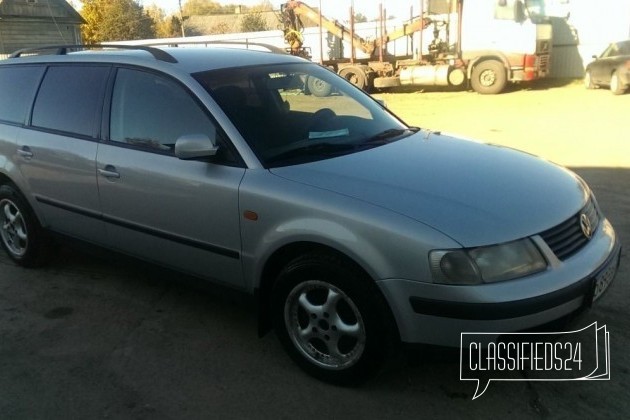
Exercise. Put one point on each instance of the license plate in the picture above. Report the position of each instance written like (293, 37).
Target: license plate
(605, 277)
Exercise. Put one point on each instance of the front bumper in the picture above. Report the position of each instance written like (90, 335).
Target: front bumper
(437, 314)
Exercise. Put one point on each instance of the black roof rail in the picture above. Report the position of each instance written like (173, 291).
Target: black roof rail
(172, 43)
(63, 50)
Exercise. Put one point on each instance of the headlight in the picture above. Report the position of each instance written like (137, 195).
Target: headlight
(488, 264)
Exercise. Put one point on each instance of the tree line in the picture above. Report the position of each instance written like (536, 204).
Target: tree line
(115, 20)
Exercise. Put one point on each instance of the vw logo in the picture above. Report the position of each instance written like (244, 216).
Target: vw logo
(585, 224)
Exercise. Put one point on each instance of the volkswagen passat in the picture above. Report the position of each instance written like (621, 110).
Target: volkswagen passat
(353, 230)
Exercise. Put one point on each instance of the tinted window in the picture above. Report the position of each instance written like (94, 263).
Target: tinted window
(17, 88)
(151, 111)
(296, 113)
(70, 99)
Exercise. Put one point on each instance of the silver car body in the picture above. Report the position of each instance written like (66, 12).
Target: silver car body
(385, 208)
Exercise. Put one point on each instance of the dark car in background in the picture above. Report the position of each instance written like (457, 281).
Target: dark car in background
(611, 68)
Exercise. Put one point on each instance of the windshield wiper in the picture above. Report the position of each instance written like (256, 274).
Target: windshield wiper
(389, 134)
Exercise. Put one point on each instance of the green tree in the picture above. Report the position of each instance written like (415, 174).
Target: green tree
(114, 20)
(253, 22)
(360, 18)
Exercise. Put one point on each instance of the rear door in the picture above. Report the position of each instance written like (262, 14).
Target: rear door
(604, 65)
(57, 151)
(183, 214)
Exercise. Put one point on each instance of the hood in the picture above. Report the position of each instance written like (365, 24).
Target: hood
(477, 194)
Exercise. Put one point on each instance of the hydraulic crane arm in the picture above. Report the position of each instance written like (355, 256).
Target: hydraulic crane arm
(294, 12)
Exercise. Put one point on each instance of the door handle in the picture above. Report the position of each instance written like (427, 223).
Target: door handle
(25, 152)
(109, 172)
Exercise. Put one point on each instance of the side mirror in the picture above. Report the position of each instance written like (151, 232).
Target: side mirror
(194, 146)
(520, 15)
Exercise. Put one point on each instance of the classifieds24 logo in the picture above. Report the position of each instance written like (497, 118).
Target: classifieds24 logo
(559, 356)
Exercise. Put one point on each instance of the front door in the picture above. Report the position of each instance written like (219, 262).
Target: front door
(179, 213)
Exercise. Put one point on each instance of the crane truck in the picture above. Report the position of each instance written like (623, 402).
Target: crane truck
(495, 42)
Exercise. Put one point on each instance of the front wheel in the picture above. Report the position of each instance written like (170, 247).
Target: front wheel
(20, 232)
(331, 319)
(588, 80)
(489, 77)
(616, 87)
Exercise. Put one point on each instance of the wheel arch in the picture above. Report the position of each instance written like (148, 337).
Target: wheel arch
(280, 258)
(6, 179)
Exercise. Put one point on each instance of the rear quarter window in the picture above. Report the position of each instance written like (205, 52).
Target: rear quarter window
(70, 99)
(18, 85)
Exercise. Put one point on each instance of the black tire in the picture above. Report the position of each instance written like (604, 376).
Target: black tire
(588, 80)
(616, 87)
(331, 319)
(356, 76)
(21, 235)
(318, 87)
(489, 77)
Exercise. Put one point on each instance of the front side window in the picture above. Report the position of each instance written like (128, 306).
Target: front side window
(70, 99)
(296, 113)
(151, 112)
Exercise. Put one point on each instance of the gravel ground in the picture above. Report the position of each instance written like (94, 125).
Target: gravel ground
(90, 337)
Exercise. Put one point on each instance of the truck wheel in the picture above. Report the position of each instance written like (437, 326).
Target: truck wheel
(355, 75)
(318, 87)
(22, 237)
(489, 77)
(331, 319)
(616, 87)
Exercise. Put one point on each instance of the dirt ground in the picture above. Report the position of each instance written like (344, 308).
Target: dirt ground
(560, 121)
(92, 337)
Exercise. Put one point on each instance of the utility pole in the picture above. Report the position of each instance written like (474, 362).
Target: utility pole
(181, 19)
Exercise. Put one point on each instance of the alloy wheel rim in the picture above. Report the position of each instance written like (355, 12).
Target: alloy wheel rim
(325, 325)
(13, 230)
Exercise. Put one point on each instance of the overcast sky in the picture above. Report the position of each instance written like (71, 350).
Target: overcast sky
(337, 9)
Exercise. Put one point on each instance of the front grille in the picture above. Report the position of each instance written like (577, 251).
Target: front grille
(543, 63)
(568, 237)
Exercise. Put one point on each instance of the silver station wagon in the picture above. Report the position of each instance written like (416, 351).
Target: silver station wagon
(272, 175)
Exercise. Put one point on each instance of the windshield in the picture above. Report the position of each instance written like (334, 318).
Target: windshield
(296, 113)
(541, 10)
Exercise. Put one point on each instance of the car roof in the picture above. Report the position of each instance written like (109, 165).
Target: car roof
(191, 59)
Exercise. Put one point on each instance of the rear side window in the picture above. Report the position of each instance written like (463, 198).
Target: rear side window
(17, 89)
(70, 99)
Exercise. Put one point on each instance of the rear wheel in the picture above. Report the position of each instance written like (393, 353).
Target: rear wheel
(489, 77)
(355, 75)
(616, 87)
(22, 237)
(331, 319)
(318, 87)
